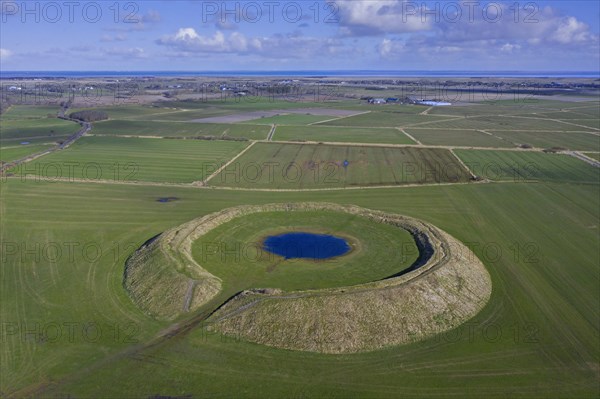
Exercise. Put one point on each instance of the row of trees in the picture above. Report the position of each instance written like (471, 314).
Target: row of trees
(89, 115)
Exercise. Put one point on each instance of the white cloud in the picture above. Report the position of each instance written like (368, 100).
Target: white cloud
(508, 47)
(5, 53)
(292, 45)
(187, 39)
(373, 17)
(127, 53)
(570, 30)
(121, 37)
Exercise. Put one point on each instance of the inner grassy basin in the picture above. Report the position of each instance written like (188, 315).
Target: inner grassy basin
(234, 251)
(301, 245)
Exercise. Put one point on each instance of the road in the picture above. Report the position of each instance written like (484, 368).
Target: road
(85, 127)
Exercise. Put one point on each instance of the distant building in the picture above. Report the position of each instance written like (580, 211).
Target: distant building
(377, 101)
(435, 103)
(430, 103)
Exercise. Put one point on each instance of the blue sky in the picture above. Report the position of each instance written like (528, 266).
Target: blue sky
(293, 35)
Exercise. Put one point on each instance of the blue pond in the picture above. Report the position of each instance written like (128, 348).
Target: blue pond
(306, 246)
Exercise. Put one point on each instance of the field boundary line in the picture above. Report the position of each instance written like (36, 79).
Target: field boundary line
(338, 118)
(391, 145)
(463, 164)
(555, 120)
(426, 112)
(271, 132)
(581, 156)
(410, 136)
(205, 181)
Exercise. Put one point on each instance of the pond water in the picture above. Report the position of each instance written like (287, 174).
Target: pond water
(299, 245)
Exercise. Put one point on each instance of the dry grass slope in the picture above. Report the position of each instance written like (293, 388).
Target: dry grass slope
(450, 288)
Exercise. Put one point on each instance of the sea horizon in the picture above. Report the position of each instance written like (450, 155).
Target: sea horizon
(302, 73)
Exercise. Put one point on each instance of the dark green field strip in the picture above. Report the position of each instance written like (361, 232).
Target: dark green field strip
(537, 337)
(17, 112)
(39, 127)
(136, 111)
(457, 138)
(341, 134)
(591, 123)
(179, 129)
(503, 123)
(12, 153)
(384, 119)
(528, 166)
(134, 159)
(578, 141)
(276, 165)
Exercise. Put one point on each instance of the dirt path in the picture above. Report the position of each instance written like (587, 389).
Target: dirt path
(410, 136)
(205, 181)
(337, 119)
(460, 161)
(426, 112)
(584, 158)
(271, 132)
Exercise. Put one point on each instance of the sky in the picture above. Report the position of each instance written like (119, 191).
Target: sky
(186, 35)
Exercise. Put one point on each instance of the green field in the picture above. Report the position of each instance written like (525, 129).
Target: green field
(13, 152)
(40, 127)
(31, 124)
(466, 138)
(134, 159)
(341, 134)
(179, 129)
(272, 165)
(384, 119)
(528, 166)
(571, 140)
(543, 299)
(68, 327)
(524, 122)
(29, 112)
(127, 111)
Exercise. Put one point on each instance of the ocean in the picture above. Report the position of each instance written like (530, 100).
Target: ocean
(301, 73)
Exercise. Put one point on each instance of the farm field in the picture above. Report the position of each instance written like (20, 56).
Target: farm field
(13, 152)
(472, 138)
(545, 291)
(274, 165)
(16, 112)
(521, 122)
(578, 141)
(179, 129)
(528, 166)
(134, 159)
(65, 243)
(385, 119)
(136, 111)
(39, 127)
(341, 134)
